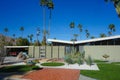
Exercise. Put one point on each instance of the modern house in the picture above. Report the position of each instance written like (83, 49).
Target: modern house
(96, 48)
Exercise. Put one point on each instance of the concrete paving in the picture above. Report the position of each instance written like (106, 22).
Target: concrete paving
(82, 77)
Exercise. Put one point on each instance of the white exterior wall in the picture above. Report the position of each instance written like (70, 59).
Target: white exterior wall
(96, 52)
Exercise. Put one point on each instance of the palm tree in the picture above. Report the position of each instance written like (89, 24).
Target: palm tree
(80, 28)
(116, 5)
(44, 3)
(72, 26)
(87, 33)
(22, 29)
(47, 33)
(37, 34)
(92, 37)
(30, 37)
(50, 7)
(75, 37)
(6, 31)
(102, 35)
(109, 33)
(112, 28)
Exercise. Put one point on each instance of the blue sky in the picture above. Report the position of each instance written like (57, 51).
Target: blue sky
(94, 15)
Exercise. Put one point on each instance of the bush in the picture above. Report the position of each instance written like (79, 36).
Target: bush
(106, 56)
(80, 60)
(89, 60)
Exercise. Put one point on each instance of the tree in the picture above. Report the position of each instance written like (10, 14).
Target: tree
(22, 29)
(116, 5)
(44, 41)
(50, 6)
(87, 33)
(30, 37)
(80, 28)
(6, 31)
(75, 37)
(102, 35)
(44, 4)
(2, 51)
(37, 34)
(111, 28)
(92, 37)
(72, 26)
(22, 41)
(14, 36)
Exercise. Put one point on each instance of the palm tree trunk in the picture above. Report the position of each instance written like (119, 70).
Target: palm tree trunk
(49, 22)
(44, 18)
(44, 24)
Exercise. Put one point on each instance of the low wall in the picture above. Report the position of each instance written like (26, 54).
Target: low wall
(97, 52)
(49, 51)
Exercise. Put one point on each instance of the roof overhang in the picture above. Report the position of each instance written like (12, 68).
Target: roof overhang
(16, 46)
(84, 41)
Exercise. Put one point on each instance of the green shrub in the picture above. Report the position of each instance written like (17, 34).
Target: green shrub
(89, 60)
(80, 60)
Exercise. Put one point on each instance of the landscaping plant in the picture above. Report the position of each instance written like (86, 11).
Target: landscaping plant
(106, 56)
(89, 60)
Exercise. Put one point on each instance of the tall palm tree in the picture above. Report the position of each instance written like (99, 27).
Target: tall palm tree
(50, 7)
(87, 33)
(80, 28)
(75, 37)
(111, 28)
(72, 26)
(14, 36)
(22, 29)
(116, 5)
(37, 34)
(6, 31)
(102, 35)
(92, 37)
(109, 33)
(30, 37)
(44, 3)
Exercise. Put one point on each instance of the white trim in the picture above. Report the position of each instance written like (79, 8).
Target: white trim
(16, 46)
(84, 41)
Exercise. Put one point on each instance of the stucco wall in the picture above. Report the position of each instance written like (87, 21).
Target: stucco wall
(48, 52)
(96, 52)
(31, 51)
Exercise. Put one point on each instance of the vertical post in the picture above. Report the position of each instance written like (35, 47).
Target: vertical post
(58, 51)
(33, 51)
(51, 51)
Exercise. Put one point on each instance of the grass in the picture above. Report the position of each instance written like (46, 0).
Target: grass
(20, 68)
(52, 64)
(107, 72)
(99, 61)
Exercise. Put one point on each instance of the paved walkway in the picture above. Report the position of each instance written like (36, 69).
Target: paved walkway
(53, 74)
(82, 77)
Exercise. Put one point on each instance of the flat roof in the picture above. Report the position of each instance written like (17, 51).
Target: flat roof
(84, 41)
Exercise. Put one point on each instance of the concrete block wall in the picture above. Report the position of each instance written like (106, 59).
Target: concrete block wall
(50, 51)
(97, 52)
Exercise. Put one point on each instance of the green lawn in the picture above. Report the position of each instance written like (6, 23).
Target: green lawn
(52, 64)
(107, 72)
(20, 68)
